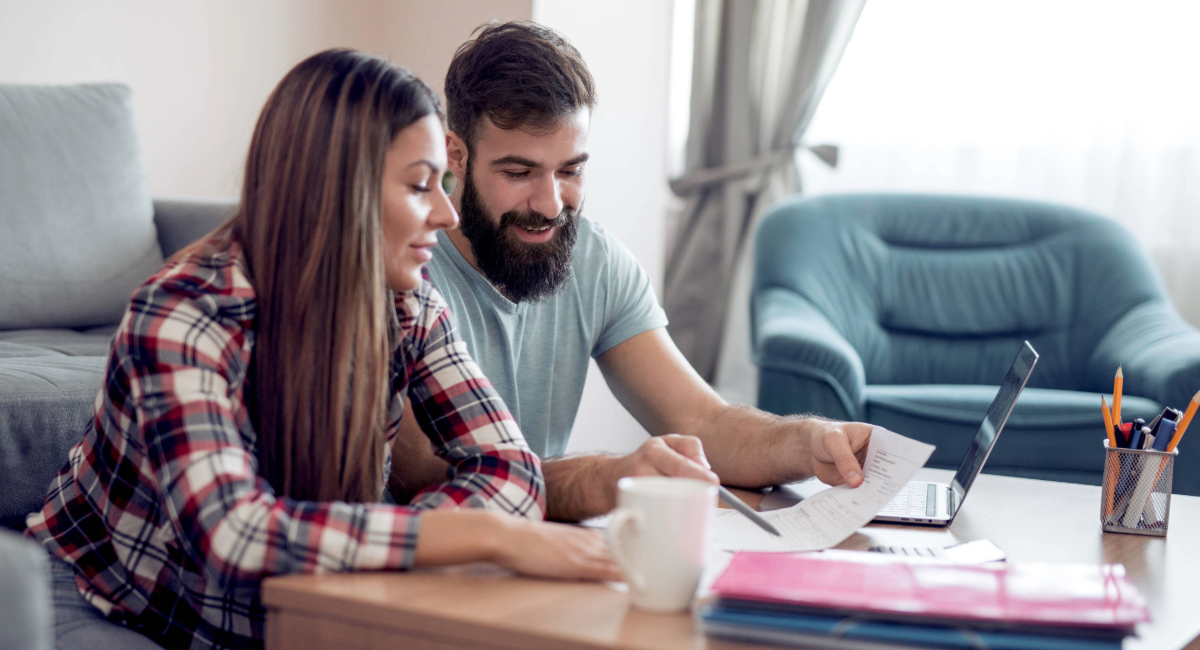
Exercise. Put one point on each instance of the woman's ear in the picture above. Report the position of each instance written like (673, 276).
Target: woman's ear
(456, 155)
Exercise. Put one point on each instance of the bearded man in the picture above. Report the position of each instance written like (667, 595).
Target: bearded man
(537, 290)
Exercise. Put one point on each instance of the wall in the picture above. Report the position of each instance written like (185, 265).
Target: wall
(202, 69)
(627, 46)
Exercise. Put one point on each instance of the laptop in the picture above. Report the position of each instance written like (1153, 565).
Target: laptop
(936, 504)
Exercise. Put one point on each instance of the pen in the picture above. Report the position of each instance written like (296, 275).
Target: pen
(1118, 383)
(1108, 423)
(1165, 429)
(1168, 414)
(739, 505)
(1187, 419)
(1136, 434)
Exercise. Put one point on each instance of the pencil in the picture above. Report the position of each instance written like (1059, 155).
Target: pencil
(1108, 424)
(1118, 383)
(737, 504)
(1110, 467)
(1187, 419)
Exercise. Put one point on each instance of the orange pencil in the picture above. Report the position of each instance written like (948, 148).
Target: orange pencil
(1112, 439)
(1187, 419)
(1118, 383)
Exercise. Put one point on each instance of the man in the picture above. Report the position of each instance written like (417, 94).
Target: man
(537, 289)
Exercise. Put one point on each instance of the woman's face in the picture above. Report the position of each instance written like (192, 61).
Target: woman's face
(414, 205)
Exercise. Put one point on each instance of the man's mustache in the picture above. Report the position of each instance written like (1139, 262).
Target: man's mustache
(533, 220)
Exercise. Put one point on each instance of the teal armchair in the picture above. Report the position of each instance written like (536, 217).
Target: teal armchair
(906, 310)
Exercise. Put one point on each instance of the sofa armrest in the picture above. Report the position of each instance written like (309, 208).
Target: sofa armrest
(792, 336)
(183, 221)
(1158, 351)
(26, 610)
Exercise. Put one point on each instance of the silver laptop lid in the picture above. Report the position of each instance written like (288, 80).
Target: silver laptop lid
(993, 423)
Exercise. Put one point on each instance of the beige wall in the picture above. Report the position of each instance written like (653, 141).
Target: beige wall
(201, 69)
(627, 46)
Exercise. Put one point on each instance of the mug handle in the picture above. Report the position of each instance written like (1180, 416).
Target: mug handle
(616, 525)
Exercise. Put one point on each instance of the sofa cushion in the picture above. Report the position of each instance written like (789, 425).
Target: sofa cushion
(1051, 431)
(75, 209)
(49, 380)
(32, 343)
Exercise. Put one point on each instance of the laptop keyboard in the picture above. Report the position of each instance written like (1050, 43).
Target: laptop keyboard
(918, 499)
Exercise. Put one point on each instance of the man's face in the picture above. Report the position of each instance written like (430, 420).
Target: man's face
(522, 190)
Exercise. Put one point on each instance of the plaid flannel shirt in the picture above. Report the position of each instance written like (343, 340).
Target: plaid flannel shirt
(160, 508)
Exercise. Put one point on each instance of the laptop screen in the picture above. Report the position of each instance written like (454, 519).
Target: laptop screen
(993, 422)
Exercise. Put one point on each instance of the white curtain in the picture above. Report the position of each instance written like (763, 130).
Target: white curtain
(759, 70)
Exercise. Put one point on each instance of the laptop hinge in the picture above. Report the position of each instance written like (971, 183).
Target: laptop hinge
(951, 506)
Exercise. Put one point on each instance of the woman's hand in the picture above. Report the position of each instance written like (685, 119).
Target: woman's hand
(532, 548)
(549, 550)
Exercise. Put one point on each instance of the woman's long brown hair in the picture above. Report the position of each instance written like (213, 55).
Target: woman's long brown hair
(310, 227)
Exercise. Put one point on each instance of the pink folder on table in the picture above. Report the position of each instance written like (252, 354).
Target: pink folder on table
(882, 586)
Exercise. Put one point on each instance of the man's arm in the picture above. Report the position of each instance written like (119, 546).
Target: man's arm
(585, 485)
(414, 465)
(746, 447)
(577, 486)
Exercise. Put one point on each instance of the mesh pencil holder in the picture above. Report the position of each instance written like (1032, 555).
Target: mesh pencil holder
(1135, 496)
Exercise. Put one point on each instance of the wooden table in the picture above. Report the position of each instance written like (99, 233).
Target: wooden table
(483, 607)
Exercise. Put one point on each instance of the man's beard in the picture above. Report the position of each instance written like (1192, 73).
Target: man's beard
(521, 270)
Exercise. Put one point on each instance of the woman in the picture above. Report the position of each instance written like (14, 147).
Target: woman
(256, 382)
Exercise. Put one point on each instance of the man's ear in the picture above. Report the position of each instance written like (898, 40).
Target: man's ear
(456, 155)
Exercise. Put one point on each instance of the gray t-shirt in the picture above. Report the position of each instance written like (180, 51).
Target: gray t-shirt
(536, 353)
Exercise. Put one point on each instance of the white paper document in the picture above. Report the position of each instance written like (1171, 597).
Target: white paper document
(827, 518)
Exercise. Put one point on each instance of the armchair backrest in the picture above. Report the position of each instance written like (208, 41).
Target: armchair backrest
(942, 289)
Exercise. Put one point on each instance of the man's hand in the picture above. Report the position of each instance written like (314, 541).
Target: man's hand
(583, 486)
(666, 455)
(838, 450)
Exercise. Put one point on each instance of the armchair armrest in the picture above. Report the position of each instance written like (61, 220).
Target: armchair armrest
(183, 221)
(1158, 351)
(791, 336)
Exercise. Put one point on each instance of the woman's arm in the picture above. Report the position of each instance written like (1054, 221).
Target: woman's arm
(529, 547)
(175, 374)
(464, 417)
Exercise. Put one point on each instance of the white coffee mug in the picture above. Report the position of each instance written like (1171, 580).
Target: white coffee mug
(659, 535)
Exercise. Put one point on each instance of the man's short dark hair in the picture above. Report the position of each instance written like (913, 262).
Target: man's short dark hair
(516, 74)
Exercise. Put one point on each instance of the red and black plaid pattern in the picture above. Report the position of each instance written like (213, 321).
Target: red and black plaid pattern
(160, 507)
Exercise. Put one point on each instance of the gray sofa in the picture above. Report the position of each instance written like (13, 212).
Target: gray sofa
(78, 232)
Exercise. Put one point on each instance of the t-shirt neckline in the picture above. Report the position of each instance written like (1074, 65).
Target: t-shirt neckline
(475, 277)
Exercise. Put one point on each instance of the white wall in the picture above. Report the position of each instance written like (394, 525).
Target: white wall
(202, 69)
(627, 46)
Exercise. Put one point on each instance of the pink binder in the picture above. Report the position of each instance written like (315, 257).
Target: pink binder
(925, 588)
